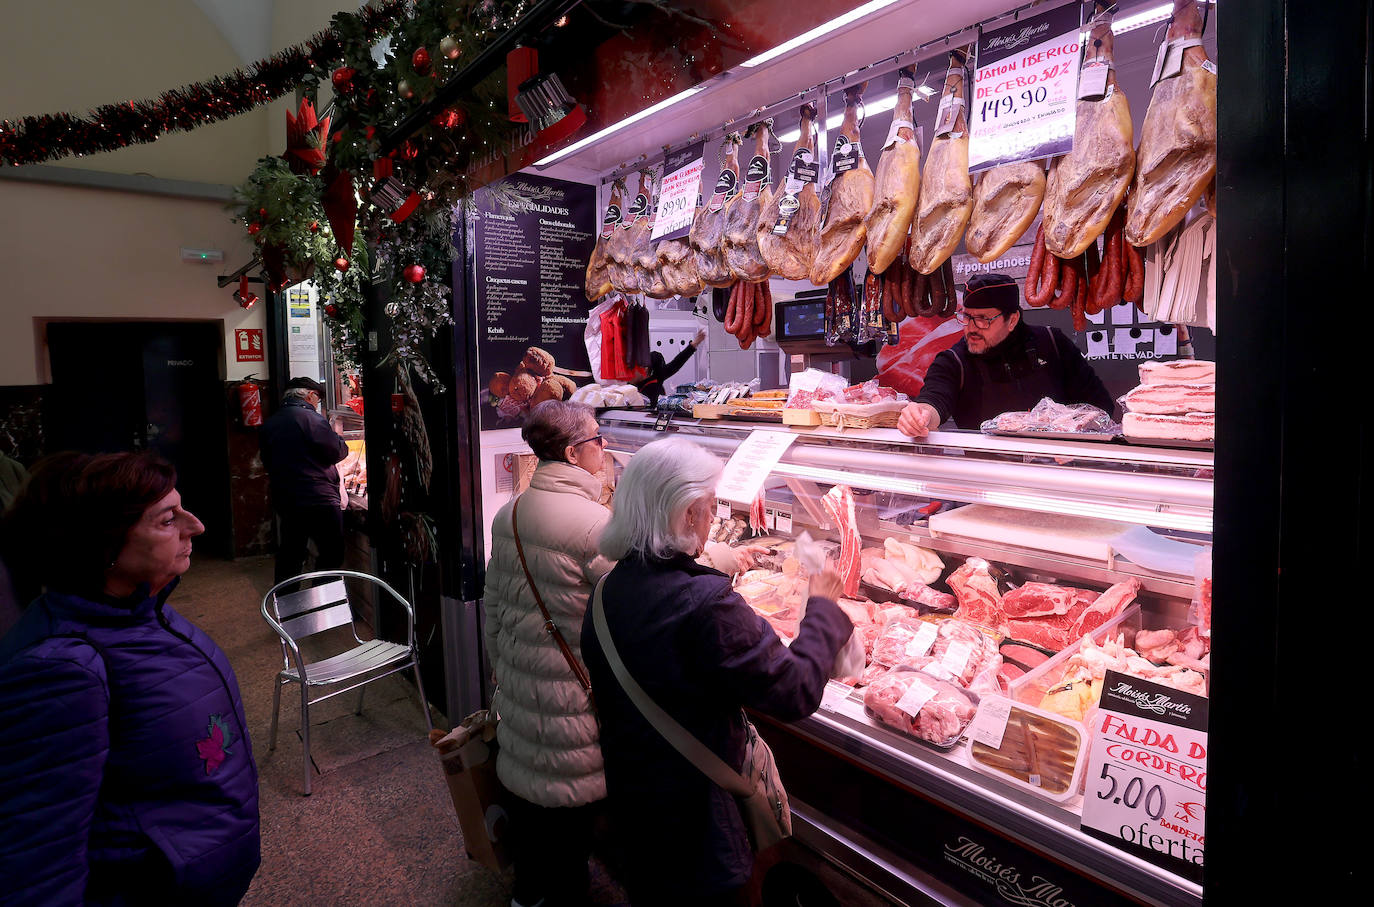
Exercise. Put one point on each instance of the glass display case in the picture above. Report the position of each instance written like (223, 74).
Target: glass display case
(1053, 516)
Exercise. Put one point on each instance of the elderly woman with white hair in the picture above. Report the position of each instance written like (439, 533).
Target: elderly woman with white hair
(701, 653)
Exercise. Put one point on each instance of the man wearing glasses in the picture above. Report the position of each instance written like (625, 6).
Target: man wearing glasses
(1001, 365)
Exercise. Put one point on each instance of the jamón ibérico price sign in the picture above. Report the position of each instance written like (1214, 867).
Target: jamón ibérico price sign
(1147, 776)
(680, 192)
(1025, 90)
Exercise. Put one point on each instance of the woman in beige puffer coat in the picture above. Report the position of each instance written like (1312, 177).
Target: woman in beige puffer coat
(550, 756)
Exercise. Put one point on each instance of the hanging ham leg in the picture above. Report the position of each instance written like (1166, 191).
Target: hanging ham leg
(708, 226)
(790, 225)
(851, 198)
(740, 244)
(598, 281)
(946, 199)
(1177, 158)
(1086, 185)
(896, 184)
(1005, 201)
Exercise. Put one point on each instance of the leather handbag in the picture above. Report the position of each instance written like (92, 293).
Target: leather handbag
(757, 790)
(579, 671)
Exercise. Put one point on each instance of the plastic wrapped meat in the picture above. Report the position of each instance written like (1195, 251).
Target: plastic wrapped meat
(921, 705)
(965, 651)
(903, 640)
(1049, 416)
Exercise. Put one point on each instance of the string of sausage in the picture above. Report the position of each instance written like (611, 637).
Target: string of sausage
(1091, 282)
(907, 293)
(749, 313)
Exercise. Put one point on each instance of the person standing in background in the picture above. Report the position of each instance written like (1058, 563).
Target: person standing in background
(660, 370)
(299, 451)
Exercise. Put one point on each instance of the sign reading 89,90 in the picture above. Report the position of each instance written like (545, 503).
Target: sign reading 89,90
(1147, 775)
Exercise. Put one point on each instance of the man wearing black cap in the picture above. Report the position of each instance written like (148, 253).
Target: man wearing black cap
(299, 450)
(1002, 365)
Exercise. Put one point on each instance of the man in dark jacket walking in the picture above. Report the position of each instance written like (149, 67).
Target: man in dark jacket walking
(299, 450)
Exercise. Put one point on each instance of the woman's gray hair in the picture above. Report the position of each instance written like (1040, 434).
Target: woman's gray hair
(554, 425)
(651, 499)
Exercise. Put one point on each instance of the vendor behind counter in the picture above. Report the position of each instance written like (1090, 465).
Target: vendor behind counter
(660, 370)
(1001, 365)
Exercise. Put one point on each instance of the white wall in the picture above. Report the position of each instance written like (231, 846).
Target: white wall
(95, 253)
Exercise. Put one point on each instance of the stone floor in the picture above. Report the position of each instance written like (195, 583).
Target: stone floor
(379, 827)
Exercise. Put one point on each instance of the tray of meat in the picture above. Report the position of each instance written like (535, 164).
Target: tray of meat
(922, 705)
(965, 650)
(1028, 748)
(1048, 419)
(903, 640)
(1177, 443)
(1106, 437)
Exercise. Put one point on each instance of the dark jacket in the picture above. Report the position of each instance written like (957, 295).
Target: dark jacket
(299, 449)
(660, 371)
(1032, 363)
(125, 769)
(701, 652)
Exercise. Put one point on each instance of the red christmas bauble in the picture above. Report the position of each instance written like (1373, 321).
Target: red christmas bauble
(262, 212)
(253, 229)
(341, 263)
(420, 60)
(331, 310)
(451, 118)
(413, 273)
(314, 226)
(342, 79)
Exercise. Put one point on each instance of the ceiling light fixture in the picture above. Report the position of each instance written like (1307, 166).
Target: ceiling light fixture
(820, 31)
(1146, 17)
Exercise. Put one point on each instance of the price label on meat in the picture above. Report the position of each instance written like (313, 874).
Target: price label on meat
(1147, 776)
(1025, 88)
(749, 466)
(679, 193)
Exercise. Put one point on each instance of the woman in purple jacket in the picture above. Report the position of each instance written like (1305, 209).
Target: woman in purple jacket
(701, 653)
(126, 776)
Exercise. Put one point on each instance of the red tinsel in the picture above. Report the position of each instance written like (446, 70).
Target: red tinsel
(34, 139)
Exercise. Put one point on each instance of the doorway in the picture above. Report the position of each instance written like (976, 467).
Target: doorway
(147, 385)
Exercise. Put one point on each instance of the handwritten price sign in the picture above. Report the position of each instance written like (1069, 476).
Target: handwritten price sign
(677, 198)
(1147, 776)
(1025, 88)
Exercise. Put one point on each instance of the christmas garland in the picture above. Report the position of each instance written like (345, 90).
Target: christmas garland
(35, 139)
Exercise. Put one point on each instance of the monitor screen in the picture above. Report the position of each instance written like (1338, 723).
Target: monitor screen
(802, 319)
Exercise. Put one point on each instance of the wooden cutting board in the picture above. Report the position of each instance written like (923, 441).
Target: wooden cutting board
(1060, 533)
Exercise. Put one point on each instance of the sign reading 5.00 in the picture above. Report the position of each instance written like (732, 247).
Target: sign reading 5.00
(1025, 88)
(1147, 776)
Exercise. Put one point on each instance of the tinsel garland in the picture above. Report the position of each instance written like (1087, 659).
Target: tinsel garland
(34, 139)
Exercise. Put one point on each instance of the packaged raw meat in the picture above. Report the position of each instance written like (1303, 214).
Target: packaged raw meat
(964, 650)
(1033, 749)
(1049, 416)
(903, 640)
(1202, 591)
(922, 705)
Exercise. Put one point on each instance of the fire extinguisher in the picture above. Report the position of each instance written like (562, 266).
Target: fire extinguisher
(250, 403)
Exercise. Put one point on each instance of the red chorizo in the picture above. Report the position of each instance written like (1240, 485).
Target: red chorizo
(732, 311)
(1134, 289)
(1041, 291)
(766, 327)
(760, 310)
(1068, 283)
(1037, 263)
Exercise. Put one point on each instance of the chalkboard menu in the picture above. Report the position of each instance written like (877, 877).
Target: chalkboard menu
(531, 237)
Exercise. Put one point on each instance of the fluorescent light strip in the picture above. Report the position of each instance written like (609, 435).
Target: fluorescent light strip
(881, 105)
(628, 121)
(820, 31)
(1150, 16)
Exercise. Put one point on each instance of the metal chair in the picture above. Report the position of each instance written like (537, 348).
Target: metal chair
(297, 615)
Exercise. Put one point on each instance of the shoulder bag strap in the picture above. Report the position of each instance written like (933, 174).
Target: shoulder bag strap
(578, 670)
(692, 749)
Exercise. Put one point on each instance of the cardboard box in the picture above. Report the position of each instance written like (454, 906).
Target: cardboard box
(468, 757)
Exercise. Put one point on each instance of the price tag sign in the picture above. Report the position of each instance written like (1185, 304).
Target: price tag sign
(750, 465)
(834, 694)
(678, 193)
(1025, 90)
(1147, 775)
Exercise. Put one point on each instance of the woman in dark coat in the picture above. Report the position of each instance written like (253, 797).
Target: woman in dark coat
(126, 776)
(701, 653)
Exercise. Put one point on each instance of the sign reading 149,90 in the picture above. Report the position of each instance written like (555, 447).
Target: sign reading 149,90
(1025, 90)
(1147, 777)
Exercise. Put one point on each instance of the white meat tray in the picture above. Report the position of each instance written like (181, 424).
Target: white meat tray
(1078, 536)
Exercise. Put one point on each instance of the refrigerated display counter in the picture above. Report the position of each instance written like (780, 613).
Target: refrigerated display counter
(929, 825)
